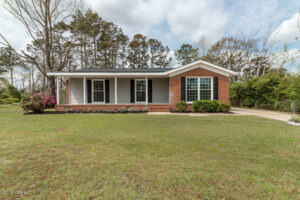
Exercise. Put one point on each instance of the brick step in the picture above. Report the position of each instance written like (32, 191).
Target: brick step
(159, 106)
(159, 110)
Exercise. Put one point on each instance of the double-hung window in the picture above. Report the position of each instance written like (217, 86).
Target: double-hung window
(98, 91)
(140, 91)
(198, 88)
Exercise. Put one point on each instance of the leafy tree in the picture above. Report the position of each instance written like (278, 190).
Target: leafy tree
(187, 54)
(81, 29)
(270, 91)
(158, 54)
(232, 53)
(138, 55)
(39, 18)
(112, 46)
(8, 61)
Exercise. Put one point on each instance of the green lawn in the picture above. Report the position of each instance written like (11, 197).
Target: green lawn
(136, 156)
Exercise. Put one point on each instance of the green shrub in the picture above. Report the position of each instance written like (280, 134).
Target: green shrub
(9, 100)
(33, 103)
(181, 106)
(225, 107)
(206, 106)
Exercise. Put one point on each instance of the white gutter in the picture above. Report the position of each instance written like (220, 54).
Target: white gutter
(104, 74)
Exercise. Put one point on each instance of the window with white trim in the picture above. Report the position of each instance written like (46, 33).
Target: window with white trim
(192, 89)
(205, 89)
(98, 91)
(140, 91)
(198, 88)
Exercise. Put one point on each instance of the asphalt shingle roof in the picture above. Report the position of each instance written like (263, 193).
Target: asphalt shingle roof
(123, 70)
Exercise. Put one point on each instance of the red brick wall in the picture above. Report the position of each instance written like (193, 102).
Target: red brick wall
(67, 91)
(112, 107)
(175, 85)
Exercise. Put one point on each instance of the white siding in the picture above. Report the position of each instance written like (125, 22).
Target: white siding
(76, 91)
(123, 90)
(160, 90)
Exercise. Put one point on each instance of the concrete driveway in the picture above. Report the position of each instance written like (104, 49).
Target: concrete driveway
(237, 111)
(282, 116)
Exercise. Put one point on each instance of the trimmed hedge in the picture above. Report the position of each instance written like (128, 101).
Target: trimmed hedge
(206, 106)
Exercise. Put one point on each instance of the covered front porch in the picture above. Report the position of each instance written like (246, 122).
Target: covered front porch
(115, 93)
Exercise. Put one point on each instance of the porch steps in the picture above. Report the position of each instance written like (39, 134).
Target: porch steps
(159, 108)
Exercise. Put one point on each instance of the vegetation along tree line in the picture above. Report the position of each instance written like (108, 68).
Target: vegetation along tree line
(65, 38)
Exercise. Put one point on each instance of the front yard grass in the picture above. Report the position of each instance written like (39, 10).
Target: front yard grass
(137, 156)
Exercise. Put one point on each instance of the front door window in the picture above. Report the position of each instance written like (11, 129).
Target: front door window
(98, 91)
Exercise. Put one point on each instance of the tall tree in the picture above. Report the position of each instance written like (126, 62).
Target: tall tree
(86, 29)
(138, 55)
(39, 18)
(8, 61)
(203, 45)
(187, 54)
(232, 53)
(158, 54)
(112, 46)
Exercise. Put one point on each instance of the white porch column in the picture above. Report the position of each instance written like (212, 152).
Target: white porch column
(116, 90)
(57, 90)
(84, 90)
(146, 90)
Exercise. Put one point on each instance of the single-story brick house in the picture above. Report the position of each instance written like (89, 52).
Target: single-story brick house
(154, 89)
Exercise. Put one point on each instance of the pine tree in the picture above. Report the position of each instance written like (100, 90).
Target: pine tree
(158, 54)
(187, 54)
(138, 55)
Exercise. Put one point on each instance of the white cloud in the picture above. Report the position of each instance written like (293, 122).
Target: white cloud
(183, 21)
(287, 31)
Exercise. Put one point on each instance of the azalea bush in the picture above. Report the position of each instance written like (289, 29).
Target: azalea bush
(38, 102)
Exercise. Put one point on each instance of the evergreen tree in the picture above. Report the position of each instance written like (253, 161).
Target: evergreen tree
(8, 61)
(138, 55)
(158, 54)
(187, 54)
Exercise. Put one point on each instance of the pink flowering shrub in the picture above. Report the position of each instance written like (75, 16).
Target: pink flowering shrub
(47, 101)
(38, 102)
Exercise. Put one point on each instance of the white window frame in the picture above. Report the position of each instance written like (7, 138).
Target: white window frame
(198, 90)
(135, 96)
(98, 102)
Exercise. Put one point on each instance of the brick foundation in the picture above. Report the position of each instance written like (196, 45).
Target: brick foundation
(112, 107)
(175, 86)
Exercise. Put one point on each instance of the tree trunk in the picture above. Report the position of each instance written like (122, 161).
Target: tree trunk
(44, 83)
(32, 76)
(29, 83)
(81, 56)
(52, 85)
(12, 76)
(95, 52)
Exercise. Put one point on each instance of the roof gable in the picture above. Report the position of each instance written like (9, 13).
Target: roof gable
(204, 65)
